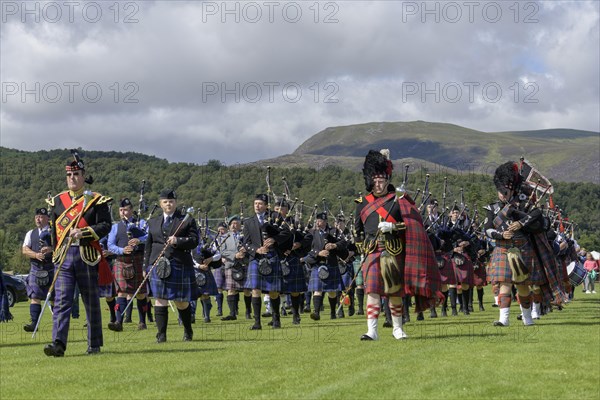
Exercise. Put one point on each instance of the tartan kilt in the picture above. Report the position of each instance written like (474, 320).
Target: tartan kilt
(499, 269)
(295, 282)
(229, 283)
(372, 274)
(266, 283)
(35, 291)
(464, 272)
(447, 272)
(359, 276)
(333, 283)
(129, 286)
(210, 287)
(179, 286)
(219, 276)
(109, 290)
(479, 275)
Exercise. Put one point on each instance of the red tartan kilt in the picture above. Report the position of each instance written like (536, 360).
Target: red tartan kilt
(499, 269)
(129, 286)
(447, 272)
(373, 281)
(464, 272)
(479, 276)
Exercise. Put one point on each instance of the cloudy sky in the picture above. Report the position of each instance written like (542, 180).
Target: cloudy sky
(243, 81)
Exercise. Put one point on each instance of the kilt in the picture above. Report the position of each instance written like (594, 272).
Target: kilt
(359, 276)
(109, 290)
(479, 275)
(372, 273)
(499, 269)
(333, 283)
(210, 287)
(179, 286)
(295, 282)
(219, 277)
(129, 286)
(464, 272)
(447, 272)
(266, 283)
(229, 283)
(35, 291)
(348, 276)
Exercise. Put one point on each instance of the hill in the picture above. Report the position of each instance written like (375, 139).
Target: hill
(561, 154)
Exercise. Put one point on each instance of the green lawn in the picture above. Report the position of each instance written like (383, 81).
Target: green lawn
(445, 358)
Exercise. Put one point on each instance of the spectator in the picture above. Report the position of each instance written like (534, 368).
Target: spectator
(591, 266)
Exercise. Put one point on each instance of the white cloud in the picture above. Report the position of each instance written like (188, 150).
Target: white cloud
(178, 51)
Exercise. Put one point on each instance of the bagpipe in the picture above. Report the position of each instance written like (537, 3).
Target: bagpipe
(205, 250)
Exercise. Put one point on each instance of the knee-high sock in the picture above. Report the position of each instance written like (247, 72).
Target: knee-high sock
(248, 303)
(161, 314)
(142, 306)
(360, 296)
(121, 304)
(256, 305)
(186, 319)
(333, 304)
(111, 307)
(231, 304)
(317, 302)
(219, 299)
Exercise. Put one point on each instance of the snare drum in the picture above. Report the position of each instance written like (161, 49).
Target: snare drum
(576, 273)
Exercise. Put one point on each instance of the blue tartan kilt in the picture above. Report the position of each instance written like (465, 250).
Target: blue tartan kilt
(35, 291)
(219, 277)
(266, 283)
(295, 282)
(210, 287)
(348, 276)
(358, 272)
(179, 286)
(333, 283)
(108, 290)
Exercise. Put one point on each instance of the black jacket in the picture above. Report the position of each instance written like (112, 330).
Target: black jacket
(187, 240)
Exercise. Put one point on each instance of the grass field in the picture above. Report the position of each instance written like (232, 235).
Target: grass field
(445, 358)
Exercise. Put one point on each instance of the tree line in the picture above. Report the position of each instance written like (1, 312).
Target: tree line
(27, 177)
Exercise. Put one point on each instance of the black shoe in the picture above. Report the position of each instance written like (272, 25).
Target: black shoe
(306, 310)
(270, 323)
(315, 316)
(127, 321)
(366, 337)
(332, 316)
(405, 318)
(115, 326)
(55, 349)
(29, 328)
(207, 320)
(229, 318)
(466, 311)
(495, 305)
(433, 313)
(248, 315)
(520, 317)
(93, 350)
(498, 323)
(142, 326)
(454, 313)
(296, 320)
(276, 325)
(351, 311)
(481, 307)
(188, 336)
(192, 319)
(256, 327)
(444, 312)
(161, 337)
(283, 312)
(420, 317)
(360, 312)
(267, 315)
(219, 313)
(150, 317)
(341, 314)
(387, 324)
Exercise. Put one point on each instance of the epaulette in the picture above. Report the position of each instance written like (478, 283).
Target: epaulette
(104, 199)
(358, 200)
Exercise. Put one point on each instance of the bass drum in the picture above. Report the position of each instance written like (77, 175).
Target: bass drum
(576, 273)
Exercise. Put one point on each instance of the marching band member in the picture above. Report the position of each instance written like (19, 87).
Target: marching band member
(171, 237)
(79, 219)
(38, 249)
(399, 258)
(126, 242)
